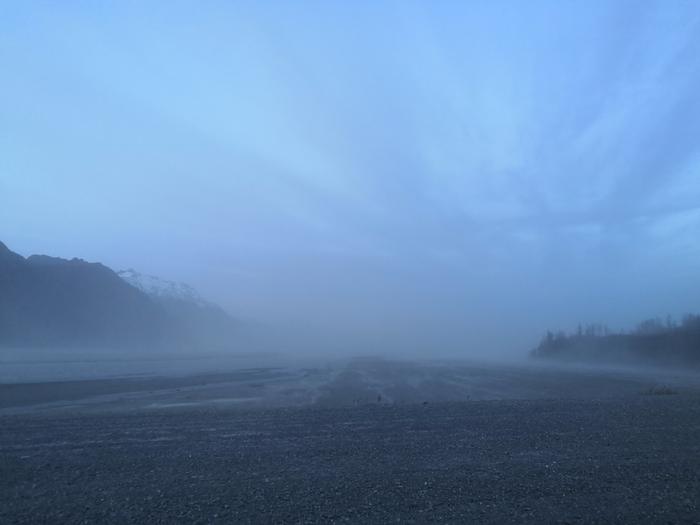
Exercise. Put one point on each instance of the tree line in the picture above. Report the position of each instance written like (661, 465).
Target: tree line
(653, 341)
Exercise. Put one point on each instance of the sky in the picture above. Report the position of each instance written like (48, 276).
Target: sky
(415, 175)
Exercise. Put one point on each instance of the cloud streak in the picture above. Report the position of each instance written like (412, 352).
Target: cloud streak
(440, 166)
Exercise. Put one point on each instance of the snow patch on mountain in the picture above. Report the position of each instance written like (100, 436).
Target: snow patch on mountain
(161, 288)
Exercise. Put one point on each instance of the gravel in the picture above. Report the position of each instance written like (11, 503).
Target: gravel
(633, 459)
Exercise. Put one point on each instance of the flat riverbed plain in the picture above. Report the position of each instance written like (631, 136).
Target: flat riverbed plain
(361, 441)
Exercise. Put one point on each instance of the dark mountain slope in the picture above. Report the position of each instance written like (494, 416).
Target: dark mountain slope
(48, 301)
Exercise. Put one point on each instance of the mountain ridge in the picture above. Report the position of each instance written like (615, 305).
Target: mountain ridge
(48, 301)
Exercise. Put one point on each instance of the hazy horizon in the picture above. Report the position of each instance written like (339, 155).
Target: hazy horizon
(400, 175)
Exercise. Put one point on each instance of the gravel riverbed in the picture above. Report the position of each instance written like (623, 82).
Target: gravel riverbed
(630, 459)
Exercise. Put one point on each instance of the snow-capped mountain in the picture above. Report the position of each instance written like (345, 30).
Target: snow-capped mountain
(52, 302)
(201, 320)
(162, 289)
(49, 302)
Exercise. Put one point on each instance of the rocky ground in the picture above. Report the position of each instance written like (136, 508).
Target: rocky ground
(632, 456)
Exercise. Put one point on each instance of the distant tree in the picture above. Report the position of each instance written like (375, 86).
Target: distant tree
(650, 327)
(691, 323)
(594, 329)
(670, 323)
(656, 340)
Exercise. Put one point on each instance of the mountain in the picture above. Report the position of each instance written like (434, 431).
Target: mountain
(161, 289)
(53, 302)
(203, 320)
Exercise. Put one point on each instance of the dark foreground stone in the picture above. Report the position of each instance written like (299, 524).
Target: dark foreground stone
(628, 460)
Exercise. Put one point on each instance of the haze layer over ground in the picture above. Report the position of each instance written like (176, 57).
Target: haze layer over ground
(259, 383)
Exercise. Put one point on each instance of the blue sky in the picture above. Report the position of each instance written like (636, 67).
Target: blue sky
(463, 174)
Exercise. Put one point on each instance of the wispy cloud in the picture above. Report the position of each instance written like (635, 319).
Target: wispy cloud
(516, 149)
